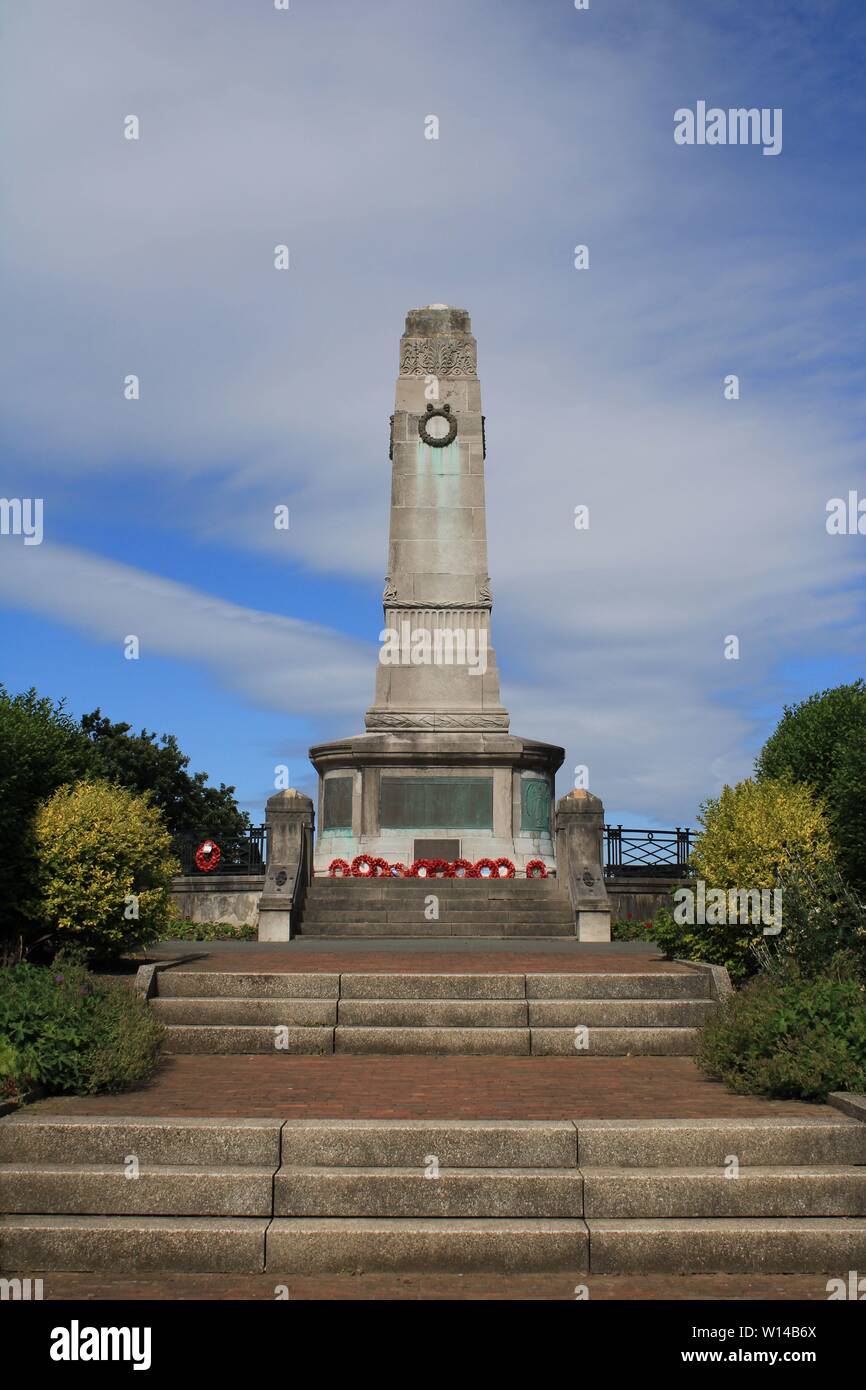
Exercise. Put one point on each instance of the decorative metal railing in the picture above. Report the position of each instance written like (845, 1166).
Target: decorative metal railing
(244, 854)
(646, 853)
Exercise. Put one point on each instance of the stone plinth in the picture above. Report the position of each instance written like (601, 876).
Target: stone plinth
(579, 832)
(289, 818)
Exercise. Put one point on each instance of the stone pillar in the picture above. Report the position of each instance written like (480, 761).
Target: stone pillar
(289, 818)
(437, 597)
(579, 831)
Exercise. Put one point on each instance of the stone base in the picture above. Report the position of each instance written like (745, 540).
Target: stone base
(506, 758)
(274, 924)
(593, 926)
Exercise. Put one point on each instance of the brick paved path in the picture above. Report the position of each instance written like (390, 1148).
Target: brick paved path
(407, 1087)
(438, 1286)
(257, 958)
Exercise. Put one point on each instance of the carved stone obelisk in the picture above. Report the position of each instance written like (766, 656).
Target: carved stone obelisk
(437, 774)
(437, 579)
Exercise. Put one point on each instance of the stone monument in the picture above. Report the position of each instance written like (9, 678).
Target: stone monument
(437, 773)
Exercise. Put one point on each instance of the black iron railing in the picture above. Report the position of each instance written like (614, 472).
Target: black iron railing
(242, 854)
(646, 853)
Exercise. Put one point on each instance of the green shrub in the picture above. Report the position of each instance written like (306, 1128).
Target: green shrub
(104, 867)
(67, 1030)
(822, 916)
(181, 930)
(41, 747)
(731, 945)
(790, 1035)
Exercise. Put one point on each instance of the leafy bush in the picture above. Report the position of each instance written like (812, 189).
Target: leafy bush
(821, 917)
(756, 828)
(822, 743)
(104, 867)
(182, 930)
(41, 747)
(790, 1035)
(731, 945)
(67, 1030)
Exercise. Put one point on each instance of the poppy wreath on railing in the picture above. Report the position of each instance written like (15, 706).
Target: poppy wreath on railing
(462, 868)
(338, 868)
(363, 866)
(207, 856)
(485, 868)
(381, 868)
(504, 868)
(536, 868)
(429, 868)
(398, 870)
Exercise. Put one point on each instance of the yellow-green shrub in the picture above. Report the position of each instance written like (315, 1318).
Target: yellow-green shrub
(756, 827)
(104, 867)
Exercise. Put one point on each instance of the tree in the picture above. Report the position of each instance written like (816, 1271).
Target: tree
(822, 744)
(145, 763)
(41, 747)
(756, 828)
(105, 867)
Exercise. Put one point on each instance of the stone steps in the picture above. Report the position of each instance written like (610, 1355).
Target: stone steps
(764, 1245)
(439, 1013)
(542, 1193)
(474, 1015)
(498, 927)
(330, 1196)
(199, 984)
(502, 908)
(324, 1245)
(93, 1189)
(152, 1244)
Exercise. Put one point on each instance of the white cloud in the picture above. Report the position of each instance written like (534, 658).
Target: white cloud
(277, 663)
(601, 386)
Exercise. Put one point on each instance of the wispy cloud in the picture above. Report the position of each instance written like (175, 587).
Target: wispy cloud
(601, 387)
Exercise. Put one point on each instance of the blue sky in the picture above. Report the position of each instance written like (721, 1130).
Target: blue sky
(601, 387)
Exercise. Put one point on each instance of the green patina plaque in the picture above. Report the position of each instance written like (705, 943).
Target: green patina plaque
(534, 805)
(337, 806)
(441, 803)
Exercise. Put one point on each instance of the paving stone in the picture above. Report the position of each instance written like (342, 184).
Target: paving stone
(707, 1192)
(93, 1189)
(197, 1244)
(455, 1192)
(710, 1141)
(406, 1143)
(320, 1245)
(40, 1136)
(465, 1041)
(756, 1245)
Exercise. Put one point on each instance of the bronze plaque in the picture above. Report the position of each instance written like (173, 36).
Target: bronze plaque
(337, 804)
(436, 849)
(436, 803)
